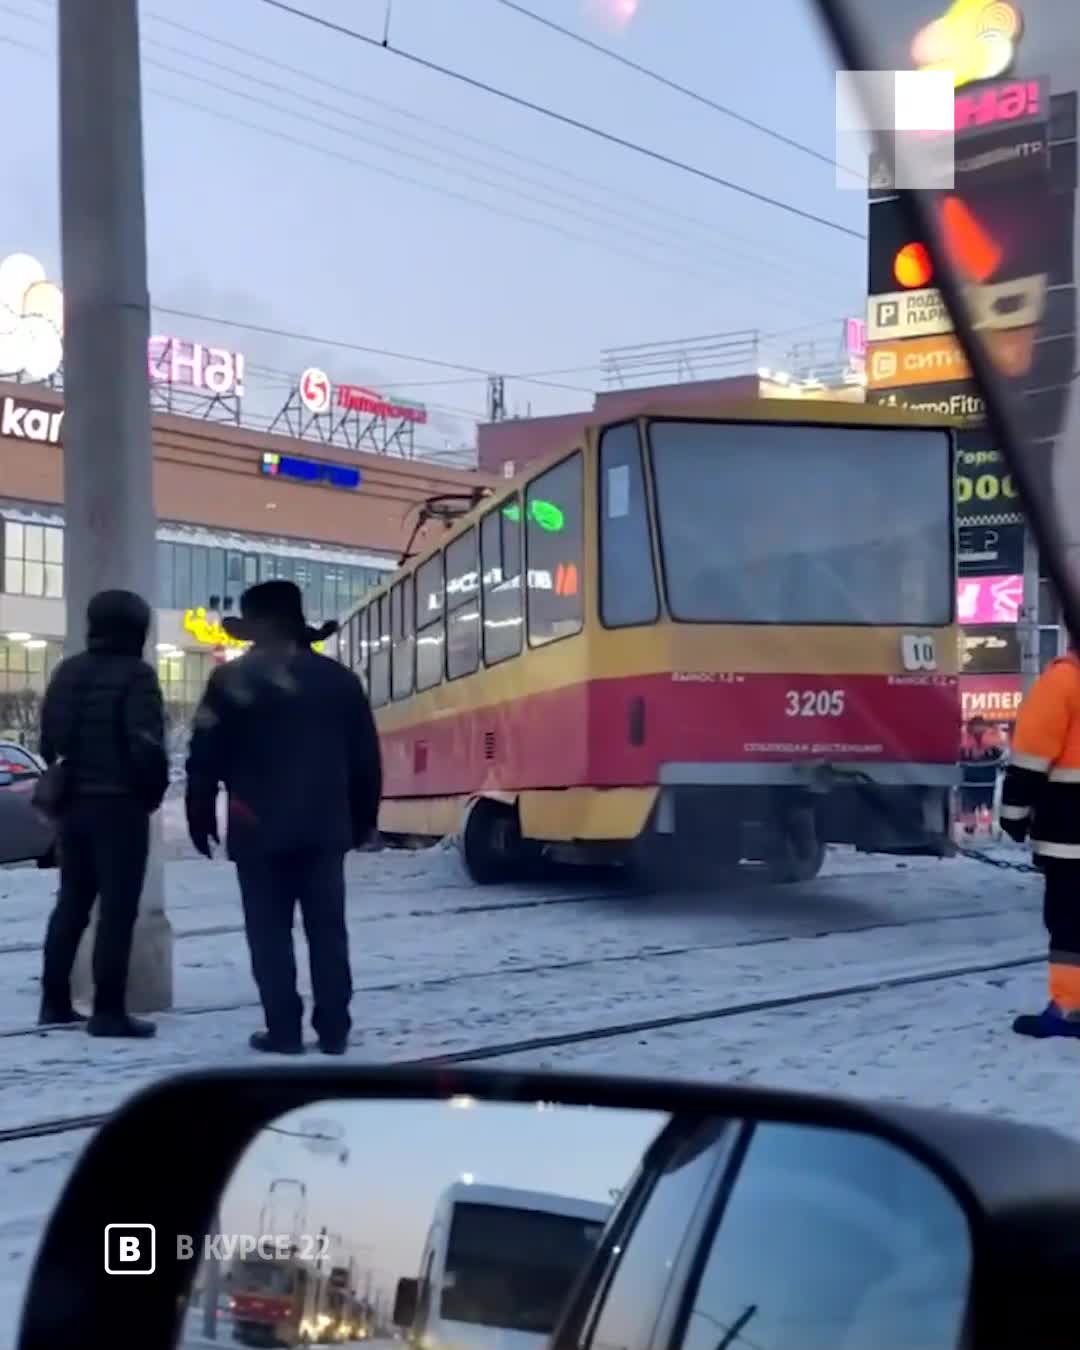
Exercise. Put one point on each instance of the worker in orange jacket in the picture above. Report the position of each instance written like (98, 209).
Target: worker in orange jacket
(1041, 803)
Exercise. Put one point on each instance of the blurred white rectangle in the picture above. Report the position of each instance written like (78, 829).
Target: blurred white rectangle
(909, 116)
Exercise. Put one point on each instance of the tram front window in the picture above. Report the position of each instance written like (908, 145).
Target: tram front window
(790, 524)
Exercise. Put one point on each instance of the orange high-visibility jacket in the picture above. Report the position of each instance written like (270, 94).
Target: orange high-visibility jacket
(1042, 781)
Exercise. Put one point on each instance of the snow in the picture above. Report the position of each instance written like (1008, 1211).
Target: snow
(442, 966)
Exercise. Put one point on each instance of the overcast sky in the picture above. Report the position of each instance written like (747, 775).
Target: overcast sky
(348, 194)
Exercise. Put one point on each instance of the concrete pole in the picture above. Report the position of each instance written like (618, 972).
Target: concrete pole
(108, 463)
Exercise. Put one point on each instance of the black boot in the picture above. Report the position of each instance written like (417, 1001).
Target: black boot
(122, 1026)
(58, 1014)
(335, 1046)
(275, 1045)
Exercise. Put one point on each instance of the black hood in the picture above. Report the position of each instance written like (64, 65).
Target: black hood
(117, 621)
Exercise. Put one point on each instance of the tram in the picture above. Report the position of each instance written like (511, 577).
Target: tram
(684, 639)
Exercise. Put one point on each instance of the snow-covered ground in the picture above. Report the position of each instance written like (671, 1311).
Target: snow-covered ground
(441, 966)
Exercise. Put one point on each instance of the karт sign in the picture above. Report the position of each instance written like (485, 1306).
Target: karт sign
(975, 39)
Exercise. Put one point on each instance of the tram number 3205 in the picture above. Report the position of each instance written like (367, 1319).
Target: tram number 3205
(814, 702)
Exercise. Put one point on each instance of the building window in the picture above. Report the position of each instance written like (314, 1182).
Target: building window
(33, 560)
(554, 552)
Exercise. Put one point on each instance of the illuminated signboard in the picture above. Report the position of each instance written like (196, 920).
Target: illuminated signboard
(545, 514)
(207, 631)
(356, 399)
(210, 633)
(974, 39)
(209, 370)
(31, 319)
(310, 471)
(989, 599)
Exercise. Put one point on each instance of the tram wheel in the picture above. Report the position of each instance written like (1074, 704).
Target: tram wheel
(799, 850)
(491, 843)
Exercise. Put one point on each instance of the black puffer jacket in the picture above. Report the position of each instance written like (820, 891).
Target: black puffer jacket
(103, 712)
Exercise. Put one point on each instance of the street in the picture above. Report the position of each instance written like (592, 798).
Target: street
(882, 978)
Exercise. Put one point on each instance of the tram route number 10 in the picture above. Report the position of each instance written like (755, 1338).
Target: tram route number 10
(814, 702)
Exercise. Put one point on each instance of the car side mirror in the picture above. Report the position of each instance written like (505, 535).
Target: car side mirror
(6, 778)
(405, 1302)
(920, 1225)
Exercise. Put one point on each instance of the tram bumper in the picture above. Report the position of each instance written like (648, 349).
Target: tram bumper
(877, 807)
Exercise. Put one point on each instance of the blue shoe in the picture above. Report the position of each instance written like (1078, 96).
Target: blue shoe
(1050, 1022)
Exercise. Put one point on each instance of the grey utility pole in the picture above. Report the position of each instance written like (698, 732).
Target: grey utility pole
(108, 461)
(1029, 613)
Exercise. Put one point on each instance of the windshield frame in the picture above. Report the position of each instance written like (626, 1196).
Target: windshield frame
(808, 424)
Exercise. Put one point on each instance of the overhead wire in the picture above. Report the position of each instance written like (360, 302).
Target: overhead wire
(714, 229)
(772, 266)
(566, 119)
(675, 86)
(672, 266)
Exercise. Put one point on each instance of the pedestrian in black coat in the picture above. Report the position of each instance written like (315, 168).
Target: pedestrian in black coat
(291, 736)
(104, 718)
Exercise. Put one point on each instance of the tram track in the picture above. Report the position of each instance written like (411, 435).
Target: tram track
(556, 967)
(495, 1051)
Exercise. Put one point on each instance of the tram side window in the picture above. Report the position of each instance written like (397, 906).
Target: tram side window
(462, 606)
(430, 624)
(555, 552)
(404, 638)
(500, 553)
(627, 577)
(360, 648)
(379, 647)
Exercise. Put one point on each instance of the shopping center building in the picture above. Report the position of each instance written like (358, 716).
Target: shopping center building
(234, 505)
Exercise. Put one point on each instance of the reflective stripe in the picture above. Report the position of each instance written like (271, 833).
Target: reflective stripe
(1036, 763)
(1048, 850)
(1015, 812)
(1065, 775)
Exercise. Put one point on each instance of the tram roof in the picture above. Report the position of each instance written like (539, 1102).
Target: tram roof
(805, 412)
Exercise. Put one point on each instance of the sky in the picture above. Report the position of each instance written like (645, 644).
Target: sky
(351, 196)
(401, 1157)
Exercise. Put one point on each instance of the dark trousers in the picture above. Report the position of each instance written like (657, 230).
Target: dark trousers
(1061, 904)
(103, 849)
(271, 886)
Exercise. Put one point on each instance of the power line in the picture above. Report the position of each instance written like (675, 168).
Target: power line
(497, 185)
(609, 136)
(669, 83)
(772, 266)
(313, 340)
(505, 212)
(714, 229)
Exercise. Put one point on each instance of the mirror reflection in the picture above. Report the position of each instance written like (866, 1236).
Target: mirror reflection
(478, 1226)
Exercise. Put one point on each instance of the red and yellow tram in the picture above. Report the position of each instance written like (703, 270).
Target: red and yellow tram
(711, 638)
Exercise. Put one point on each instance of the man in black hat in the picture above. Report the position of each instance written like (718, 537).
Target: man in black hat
(103, 718)
(291, 736)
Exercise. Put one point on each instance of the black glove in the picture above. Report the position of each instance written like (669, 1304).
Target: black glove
(1017, 830)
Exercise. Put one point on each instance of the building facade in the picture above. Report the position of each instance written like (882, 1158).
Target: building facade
(235, 506)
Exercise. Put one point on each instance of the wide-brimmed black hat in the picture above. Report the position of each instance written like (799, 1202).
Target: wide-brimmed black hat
(278, 605)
